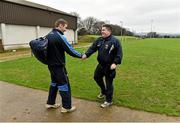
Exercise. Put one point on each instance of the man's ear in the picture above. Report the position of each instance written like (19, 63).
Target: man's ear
(60, 25)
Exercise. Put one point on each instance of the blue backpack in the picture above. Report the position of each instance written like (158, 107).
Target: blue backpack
(39, 49)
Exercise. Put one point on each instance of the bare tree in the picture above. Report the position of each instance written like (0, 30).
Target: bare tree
(91, 25)
(97, 27)
(88, 24)
(79, 20)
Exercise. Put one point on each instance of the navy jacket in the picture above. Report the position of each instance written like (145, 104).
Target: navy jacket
(109, 50)
(57, 46)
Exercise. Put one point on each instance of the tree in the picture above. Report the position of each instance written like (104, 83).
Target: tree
(79, 20)
(129, 33)
(82, 31)
(152, 35)
(91, 25)
(88, 24)
(97, 27)
(117, 30)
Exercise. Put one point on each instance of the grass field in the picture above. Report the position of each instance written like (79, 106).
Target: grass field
(148, 79)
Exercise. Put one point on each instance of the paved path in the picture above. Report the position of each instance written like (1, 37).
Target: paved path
(19, 103)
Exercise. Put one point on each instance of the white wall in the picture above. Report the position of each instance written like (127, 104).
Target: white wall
(70, 35)
(44, 31)
(0, 32)
(18, 36)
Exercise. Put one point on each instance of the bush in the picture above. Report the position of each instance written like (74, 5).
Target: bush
(82, 31)
(87, 38)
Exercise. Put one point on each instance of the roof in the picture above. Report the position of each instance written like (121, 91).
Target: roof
(36, 5)
(21, 12)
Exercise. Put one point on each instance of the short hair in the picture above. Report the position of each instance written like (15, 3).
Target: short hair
(60, 21)
(108, 26)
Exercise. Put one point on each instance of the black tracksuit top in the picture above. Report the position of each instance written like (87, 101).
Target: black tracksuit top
(109, 50)
(57, 46)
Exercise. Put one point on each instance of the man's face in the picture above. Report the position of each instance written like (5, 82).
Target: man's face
(62, 27)
(105, 32)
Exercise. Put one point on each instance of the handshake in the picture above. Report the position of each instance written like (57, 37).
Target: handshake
(112, 67)
(83, 57)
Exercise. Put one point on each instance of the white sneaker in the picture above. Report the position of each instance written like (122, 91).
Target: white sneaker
(106, 104)
(63, 110)
(101, 96)
(52, 106)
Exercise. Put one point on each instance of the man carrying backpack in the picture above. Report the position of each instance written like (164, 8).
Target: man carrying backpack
(57, 46)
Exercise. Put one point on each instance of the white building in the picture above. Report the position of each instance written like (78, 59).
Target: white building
(22, 21)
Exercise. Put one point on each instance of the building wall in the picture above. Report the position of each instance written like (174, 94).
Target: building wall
(16, 14)
(1, 45)
(70, 35)
(44, 31)
(18, 36)
(0, 33)
(20, 23)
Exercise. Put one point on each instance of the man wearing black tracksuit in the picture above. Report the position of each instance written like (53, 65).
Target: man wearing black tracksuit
(109, 55)
(57, 46)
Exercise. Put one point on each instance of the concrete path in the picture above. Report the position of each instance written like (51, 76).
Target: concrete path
(19, 103)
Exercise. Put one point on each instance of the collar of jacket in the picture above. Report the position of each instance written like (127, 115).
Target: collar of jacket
(107, 38)
(58, 31)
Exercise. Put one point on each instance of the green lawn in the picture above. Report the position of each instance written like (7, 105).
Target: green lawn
(148, 79)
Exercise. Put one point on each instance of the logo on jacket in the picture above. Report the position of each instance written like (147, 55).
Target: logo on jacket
(112, 47)
(106, 46)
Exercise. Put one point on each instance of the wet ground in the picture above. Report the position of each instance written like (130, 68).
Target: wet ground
(19, 103)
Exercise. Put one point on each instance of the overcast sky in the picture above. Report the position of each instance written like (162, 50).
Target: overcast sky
(137, 15)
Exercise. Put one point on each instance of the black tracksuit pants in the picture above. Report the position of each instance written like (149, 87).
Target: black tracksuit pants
(107, 86)
(59, 82)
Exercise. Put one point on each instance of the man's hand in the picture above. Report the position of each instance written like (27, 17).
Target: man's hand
(84, 57)
(113, 66)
